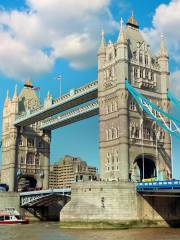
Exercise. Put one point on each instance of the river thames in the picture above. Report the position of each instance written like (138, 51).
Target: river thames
(47, 231)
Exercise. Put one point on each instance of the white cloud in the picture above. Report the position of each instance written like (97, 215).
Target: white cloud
(175, 83)
(67, 29)
(17, 60)
(167, 20)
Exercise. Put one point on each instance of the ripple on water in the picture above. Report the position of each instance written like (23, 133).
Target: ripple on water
(47, 231)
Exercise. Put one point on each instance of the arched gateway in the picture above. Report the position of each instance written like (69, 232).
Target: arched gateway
(144, 168)
(27, 183)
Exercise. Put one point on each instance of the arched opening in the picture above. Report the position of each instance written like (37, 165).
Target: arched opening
(146, 167)
(27, 183)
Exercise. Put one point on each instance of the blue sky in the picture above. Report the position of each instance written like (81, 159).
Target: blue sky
(44, 38)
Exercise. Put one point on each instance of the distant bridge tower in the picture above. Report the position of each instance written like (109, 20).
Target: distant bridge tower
(25, 150)
(132, 146)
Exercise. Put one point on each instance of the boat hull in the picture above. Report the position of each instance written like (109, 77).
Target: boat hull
(26, 221)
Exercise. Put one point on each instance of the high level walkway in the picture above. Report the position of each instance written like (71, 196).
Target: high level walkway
(72, 99)
(75, 115)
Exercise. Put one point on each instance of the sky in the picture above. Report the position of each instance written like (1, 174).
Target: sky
(42, 39)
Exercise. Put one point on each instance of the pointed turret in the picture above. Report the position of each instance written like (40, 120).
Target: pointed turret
(121, 47)
(102, 48)
(15, 101)
(102, 52)
(7, 100)
(48, 100)
(15, 96)
(122, 35)
(163, 61)
(162, 51)
(7, 95)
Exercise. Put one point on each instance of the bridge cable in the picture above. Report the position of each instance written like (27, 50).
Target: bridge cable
(150, 108)
(173, 99)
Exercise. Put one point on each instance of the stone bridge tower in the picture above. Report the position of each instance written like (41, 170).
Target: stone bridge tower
(132, 146)
(25, 150)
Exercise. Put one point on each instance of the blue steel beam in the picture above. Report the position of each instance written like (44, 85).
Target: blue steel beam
(35, 198)
(72, 99)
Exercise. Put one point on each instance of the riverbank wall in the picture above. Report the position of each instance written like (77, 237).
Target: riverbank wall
(117, 205)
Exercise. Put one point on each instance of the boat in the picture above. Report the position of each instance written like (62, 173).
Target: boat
(12, 216)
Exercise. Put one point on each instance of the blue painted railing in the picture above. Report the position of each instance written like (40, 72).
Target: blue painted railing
(158, 185)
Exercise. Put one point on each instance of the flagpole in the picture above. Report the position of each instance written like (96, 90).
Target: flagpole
(60, 86)
(172, 160)
(59, 78)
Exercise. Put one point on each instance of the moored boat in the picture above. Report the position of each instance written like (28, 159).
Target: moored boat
(11, 216)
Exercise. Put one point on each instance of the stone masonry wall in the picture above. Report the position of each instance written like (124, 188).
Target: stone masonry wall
(118, 202)
(9, 200)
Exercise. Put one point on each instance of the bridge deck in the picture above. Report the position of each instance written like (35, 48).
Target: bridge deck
(166, 188)
(75, 115)
(43, 197)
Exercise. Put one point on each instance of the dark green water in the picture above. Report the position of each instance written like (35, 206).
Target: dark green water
(52, 231)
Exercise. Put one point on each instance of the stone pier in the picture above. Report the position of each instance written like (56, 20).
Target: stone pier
(117, 205)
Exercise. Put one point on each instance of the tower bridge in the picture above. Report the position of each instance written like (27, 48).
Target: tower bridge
(134, 135)
(132, 145)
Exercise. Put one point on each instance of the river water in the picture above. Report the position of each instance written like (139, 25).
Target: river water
(52, 231)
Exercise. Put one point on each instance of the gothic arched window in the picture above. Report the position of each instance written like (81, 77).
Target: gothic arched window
(108, 157)
(146, 60)
(132, 106)
(140, 58)
(135, 73)
(141, 73)
(30, 142)
(146, 74)
(115, 106)
(136, 132)
(107, 135)
(30, 158)
(152, 76)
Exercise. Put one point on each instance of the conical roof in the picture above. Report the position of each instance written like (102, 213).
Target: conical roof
(132, 22)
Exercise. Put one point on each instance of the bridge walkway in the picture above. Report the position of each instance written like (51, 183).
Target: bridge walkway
(72, 99)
